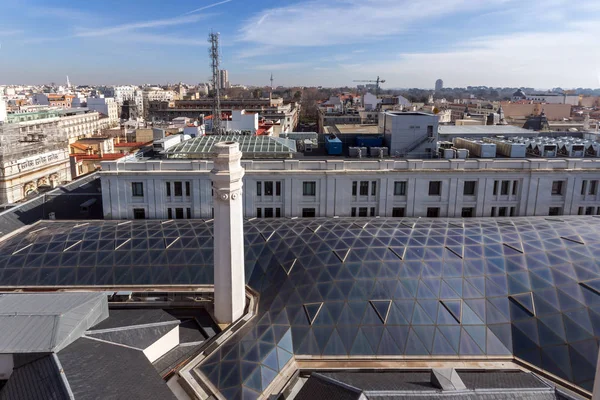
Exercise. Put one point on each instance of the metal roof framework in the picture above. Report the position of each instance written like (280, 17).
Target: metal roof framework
(355, 288)
(251, 146)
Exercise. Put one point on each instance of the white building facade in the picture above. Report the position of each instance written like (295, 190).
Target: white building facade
(80, 125)
(107, 106)
(409, 132)
(167, 189)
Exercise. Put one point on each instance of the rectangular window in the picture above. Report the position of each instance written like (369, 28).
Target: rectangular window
(259, 213)
(353, 212)
(593, 187)
(469, 189)
(554, 211)
(309, 188)
(179, 213)
(278, 212)
(557, 188)
(512, 211)
(259, 188)
(137, 189)
(504, 188)
(515, 187)
(580, 211)
(429, 130)
(493, 213)
(364, 188)
(590, 210)
(169, 213)
(278, 188)
(467, 212)
(354, 188)
(188, 213)
(187, 189)
(435, 188)
(212, 212)
(372, 212)
(398, 212)
(400, 188)
(268, 188)
(308, 213)
(583, 187)
(362, 211)
(502, 211)
(433, 212)
(139, 213)
(495, 188)
(178, 189)
(373, 188)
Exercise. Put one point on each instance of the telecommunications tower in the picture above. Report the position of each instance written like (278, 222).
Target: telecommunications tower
(213, 39)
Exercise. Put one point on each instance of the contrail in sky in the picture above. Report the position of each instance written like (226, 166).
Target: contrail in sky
(208, 6)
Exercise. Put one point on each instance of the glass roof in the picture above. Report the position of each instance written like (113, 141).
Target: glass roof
(264, 146)
(523, 287)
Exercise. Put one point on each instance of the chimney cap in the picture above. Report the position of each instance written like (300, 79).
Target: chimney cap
(229, 147)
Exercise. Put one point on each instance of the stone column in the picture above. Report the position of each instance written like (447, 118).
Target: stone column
(227, 174)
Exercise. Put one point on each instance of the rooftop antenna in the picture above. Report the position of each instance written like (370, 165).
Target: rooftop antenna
(213, 39)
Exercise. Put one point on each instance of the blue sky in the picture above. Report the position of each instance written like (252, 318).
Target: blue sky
(539, 43)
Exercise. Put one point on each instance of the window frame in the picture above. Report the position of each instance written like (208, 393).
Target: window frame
(136, 212)
(137, 189)
(398, 210)
(309, 188)
(433, 210)
(363, 188)
(268, 188)
(433, 185)
(400, 188)
(558, 190)
(178, 189)
(472, 185)
(504, 188)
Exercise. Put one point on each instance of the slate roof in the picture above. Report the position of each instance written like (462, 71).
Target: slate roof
(37, 380)
(131, 317)
(44, 323)
(401, 385)
(137, 338)
(356, 287)
(97, 370)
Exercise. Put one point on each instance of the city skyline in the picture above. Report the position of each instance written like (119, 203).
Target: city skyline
(304, 43)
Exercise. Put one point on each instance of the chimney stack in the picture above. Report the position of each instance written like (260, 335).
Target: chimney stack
(230, 282)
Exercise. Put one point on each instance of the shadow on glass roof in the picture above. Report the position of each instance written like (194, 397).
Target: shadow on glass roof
(369, 287)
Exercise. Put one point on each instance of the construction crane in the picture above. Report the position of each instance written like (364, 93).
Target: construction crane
(377, 82)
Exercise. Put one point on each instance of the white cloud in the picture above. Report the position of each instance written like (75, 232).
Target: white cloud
(135, 37)
(157, 23)
(208, 6)
(317, 23)
(11, 32)
(539, 59)
(279, 67)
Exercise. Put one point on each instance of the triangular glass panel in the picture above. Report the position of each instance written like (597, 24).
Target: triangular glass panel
(525, 300)
(312, 310)
(593, 286)
(289, 265)
(341, 254)
(454, 307)
(382, 308)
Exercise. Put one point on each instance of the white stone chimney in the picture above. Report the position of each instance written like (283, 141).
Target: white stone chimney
(230, 283)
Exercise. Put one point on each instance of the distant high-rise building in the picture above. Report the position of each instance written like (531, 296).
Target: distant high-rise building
(224, 79)
(439, 85)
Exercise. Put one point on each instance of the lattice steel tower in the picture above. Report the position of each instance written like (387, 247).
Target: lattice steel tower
(213, 39)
